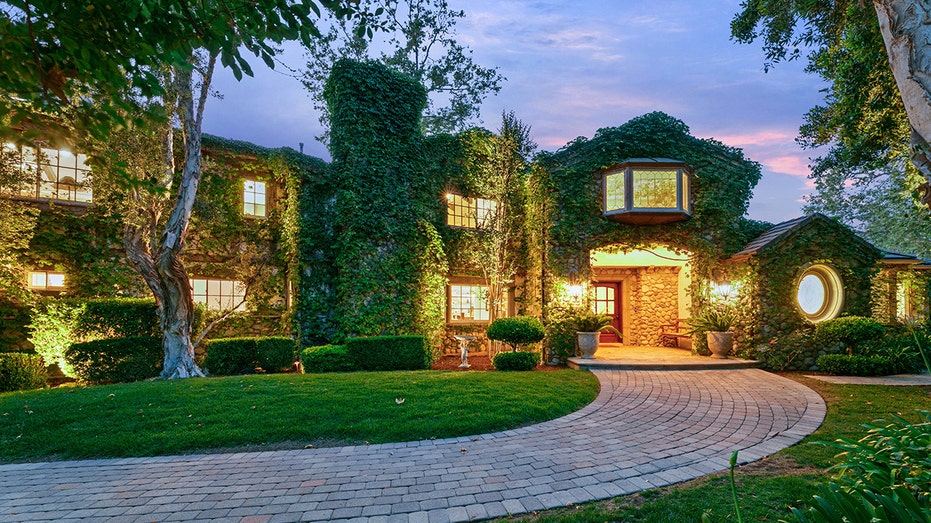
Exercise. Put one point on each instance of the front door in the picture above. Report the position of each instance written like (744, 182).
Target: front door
(608, 301)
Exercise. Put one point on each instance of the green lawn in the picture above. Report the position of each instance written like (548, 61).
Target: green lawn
(279, 411)
(765, 488)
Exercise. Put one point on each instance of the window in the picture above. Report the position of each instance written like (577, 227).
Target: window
(910, 302)
(60, 174)
(647, 191)
(219, 294)
(253, 198)
(820, 293)
(468, 303)
(46, 280)
(471, 213)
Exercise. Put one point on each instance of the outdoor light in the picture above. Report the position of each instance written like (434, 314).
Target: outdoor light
(575, 291)
(647, 191)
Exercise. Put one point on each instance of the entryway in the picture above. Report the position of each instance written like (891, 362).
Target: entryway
(608, 301)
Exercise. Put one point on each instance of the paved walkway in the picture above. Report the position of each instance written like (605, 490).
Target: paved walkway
(646, 429)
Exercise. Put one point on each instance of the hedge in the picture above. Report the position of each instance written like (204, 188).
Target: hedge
(19, 371)
(390, 352)
(846, 365)
(516, 360)
(226, 356)
(327, 358)
(117, 360)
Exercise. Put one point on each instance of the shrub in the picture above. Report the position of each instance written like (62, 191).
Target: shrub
(849, 330)
(327, 358)
(516, 360)
(226, 356)
(20, 371)
(856, 365)
(390, 352)
(560, 331)
(116, 359)
(516, 331)
(53, 324)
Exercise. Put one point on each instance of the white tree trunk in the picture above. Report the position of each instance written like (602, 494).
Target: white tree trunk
(906, 30)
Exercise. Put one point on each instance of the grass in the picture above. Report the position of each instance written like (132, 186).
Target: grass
(279, 411)
(767, 488)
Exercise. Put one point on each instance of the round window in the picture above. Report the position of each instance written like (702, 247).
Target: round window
(820, 293)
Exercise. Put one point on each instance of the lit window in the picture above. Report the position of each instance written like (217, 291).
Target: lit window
(468, 303)
(910, 303)
(60, 175)
(470, 213)
(820, 293)
(46, 280)
(219, 294)
(647, 191)
(253, 198)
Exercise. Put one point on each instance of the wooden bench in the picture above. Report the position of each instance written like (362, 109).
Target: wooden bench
(676, 334)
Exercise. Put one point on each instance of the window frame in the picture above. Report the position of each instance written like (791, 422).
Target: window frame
(469, 213)
(620, 205)
(77, 191)
(245, 192)
(833, 286)
(46, 287)
(207, 295)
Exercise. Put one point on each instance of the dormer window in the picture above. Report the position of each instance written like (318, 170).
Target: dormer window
(647, 191)
(470, 213)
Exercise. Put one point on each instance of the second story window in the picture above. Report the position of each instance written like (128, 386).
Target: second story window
(46, 281)
(253, 198)
(60, 174)
(647, 191)
(470, 213)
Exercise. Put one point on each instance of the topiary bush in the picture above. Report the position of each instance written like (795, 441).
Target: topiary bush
(854, 365)
(116, 360)
(390, 352)
(850, 330)
(19, 371)
(516, 360)
(516, 331)
(228, 356)
(327, 358)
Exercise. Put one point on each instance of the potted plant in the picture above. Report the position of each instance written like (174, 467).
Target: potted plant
(716, 323)
(588, 326)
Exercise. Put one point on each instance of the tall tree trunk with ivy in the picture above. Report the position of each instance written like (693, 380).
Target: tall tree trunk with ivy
(906, 30)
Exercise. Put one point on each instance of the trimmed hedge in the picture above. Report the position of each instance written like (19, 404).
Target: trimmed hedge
(390, 352)
(516, 330)
(516, 360)
(19, 371)
(850, 330)
(227, 356)
(846, 365)
(327, 358)
(116, 360)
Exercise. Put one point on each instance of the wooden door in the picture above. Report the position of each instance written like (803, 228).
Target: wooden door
(608, 301)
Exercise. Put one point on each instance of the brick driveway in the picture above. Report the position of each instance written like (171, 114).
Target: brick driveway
(646, 429)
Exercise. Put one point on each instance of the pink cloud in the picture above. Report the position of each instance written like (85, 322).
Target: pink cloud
(759, 138)
(794, 165)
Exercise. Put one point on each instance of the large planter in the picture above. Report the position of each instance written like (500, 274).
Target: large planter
(720, 343)
(588, 344)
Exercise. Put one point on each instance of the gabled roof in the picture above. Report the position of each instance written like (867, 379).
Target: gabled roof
(780, 232)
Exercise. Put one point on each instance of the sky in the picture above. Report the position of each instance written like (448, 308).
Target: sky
(575, 67)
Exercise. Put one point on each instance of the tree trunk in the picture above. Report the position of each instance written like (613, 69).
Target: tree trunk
(906, 30)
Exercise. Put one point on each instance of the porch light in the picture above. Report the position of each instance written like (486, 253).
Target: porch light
(647, 191)
(575, 291)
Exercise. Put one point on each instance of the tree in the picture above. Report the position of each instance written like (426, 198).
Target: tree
(826, 25)
(498, 166)
(17, 223)
(168, 52)
(420, 36)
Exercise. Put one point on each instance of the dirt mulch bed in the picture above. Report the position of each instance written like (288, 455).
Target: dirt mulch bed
(478, 362)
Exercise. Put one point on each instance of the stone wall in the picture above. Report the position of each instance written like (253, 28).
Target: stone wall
(650, 298)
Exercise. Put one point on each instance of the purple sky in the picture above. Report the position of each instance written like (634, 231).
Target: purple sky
(574, 67)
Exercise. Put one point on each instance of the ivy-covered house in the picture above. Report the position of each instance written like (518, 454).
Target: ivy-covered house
(404, 233)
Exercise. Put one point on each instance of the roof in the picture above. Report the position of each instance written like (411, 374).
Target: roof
(909, 260)
(781, 231)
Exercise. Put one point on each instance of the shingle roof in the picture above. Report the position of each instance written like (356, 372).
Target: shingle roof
(771, 236)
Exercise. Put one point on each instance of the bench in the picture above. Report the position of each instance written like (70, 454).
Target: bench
(676, 334)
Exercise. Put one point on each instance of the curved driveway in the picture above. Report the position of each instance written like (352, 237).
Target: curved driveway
(646, 429)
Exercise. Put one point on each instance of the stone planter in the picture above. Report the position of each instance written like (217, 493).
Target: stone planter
(720, 343)
(588, 344)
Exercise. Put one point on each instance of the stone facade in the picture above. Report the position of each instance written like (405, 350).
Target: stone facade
(649, 299)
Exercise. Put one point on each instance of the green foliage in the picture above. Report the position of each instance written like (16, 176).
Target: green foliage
(854, 365)
(520, 361)
(516, 331)
(850, 330)
(390, 352)
(716, 318)
(561, 327)
(20, 371)
(254, 412)
(227, 356)
(586, 320)
(420, 39)
(17, 223)
(53, 324)
(116, 360)
(327, 358)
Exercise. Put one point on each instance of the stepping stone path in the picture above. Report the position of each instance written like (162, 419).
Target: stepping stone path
(646, 429)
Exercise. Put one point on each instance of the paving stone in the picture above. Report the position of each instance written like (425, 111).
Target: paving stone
(646, 428)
